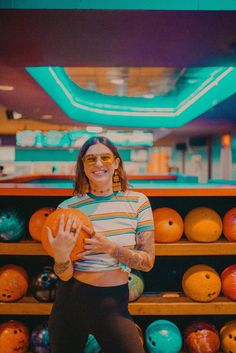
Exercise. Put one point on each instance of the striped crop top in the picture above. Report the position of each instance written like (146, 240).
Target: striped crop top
(119, 217)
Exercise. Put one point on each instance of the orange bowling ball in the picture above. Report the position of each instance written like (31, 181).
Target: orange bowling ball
(228, 337)
(229, 224)
(14, 337)
(201, 283)
(228, 278)
(14, 283)
(203, 224)
(169, 225)
(52, 222)
(37, 220)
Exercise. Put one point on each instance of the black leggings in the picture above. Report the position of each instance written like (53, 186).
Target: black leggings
(81, 309)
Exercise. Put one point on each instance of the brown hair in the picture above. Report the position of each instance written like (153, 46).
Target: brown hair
(81, 180)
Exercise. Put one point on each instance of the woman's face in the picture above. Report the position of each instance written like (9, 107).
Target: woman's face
(99, 165)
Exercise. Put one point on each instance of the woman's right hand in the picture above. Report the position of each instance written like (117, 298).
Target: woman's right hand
(66, 238)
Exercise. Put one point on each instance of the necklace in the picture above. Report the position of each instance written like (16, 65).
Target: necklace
(102, 191)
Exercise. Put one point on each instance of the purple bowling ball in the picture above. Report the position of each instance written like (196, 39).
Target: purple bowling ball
(40, 339)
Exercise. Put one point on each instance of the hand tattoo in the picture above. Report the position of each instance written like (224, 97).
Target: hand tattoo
(60, 267)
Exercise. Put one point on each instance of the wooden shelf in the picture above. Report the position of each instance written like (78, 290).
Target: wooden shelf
(147, 304)
(195, 190)
(188, 248)
(180, 248)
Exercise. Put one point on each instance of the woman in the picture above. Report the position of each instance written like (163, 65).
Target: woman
(92, 297)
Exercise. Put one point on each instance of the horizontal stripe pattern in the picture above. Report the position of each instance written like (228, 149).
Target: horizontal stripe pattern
(118, 217)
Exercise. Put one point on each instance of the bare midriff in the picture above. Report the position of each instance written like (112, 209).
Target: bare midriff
(102, 278)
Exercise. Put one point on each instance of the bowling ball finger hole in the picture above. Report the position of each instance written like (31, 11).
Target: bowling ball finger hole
(6, 296)
(207, 276)
(170, 223)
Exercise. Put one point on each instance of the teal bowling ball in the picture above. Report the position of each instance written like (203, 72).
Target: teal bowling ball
(135, 284)
(92, 345)
(12, 224)
(163, 336)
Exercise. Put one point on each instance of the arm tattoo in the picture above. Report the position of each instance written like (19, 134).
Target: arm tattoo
(60, 267)
(140, 259)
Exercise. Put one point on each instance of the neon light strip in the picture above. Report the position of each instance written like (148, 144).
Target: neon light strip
(158, 111)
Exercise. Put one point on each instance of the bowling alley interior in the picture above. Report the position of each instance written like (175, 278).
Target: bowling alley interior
(158, 79)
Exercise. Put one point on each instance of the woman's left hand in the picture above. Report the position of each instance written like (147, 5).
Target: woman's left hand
(97, 243)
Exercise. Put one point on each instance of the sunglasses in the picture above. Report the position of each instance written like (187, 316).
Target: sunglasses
(105, 158)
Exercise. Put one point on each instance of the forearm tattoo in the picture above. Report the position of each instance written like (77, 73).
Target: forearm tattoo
(140, 259)
(61, 267)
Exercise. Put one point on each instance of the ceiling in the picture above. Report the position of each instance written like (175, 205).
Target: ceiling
(150, 48)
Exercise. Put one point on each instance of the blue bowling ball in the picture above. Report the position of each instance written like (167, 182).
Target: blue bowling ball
(44, 285)
(92, 345)
(12, 224)
(40, 339)
(163, 336)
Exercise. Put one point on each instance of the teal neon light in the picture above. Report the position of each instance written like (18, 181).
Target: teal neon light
(213, 5)
(216, 84)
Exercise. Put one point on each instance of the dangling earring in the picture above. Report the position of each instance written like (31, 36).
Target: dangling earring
(116, 182)
(85, 187)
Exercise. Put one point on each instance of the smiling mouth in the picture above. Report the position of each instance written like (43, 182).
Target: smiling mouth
(100, 172)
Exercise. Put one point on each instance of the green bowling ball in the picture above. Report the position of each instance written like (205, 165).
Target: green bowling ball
(135, 284)
(12, 224)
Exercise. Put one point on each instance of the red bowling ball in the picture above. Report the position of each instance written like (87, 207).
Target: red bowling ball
(229, 224)
(228, 279)
(201, 337)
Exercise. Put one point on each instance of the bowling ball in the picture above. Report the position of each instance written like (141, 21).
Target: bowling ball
(201, 283)
(37, 220)
(201, 337)
(12, 224)
(14, 337)
(229, 224)
(163, 336)
(52, 222)
(228, 279)
(14, 283)
(228, 337)
(92, 345)
(44, 285)
(40, 339)
(203, 224)
(169, 225)
(135, 284)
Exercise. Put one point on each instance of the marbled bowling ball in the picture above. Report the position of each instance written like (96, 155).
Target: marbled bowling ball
(202, 224)
(201, 337)
(228, 279)
(44, 285)
(228, 337)
(229, 224)
(163, 336)
(37, 220)
(135, 284)
(169, 225)
(14, 337)
(12, 224)
(201, 283)
(40, 339)
(14, 283)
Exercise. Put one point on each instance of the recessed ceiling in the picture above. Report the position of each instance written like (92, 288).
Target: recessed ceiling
(125, 40)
